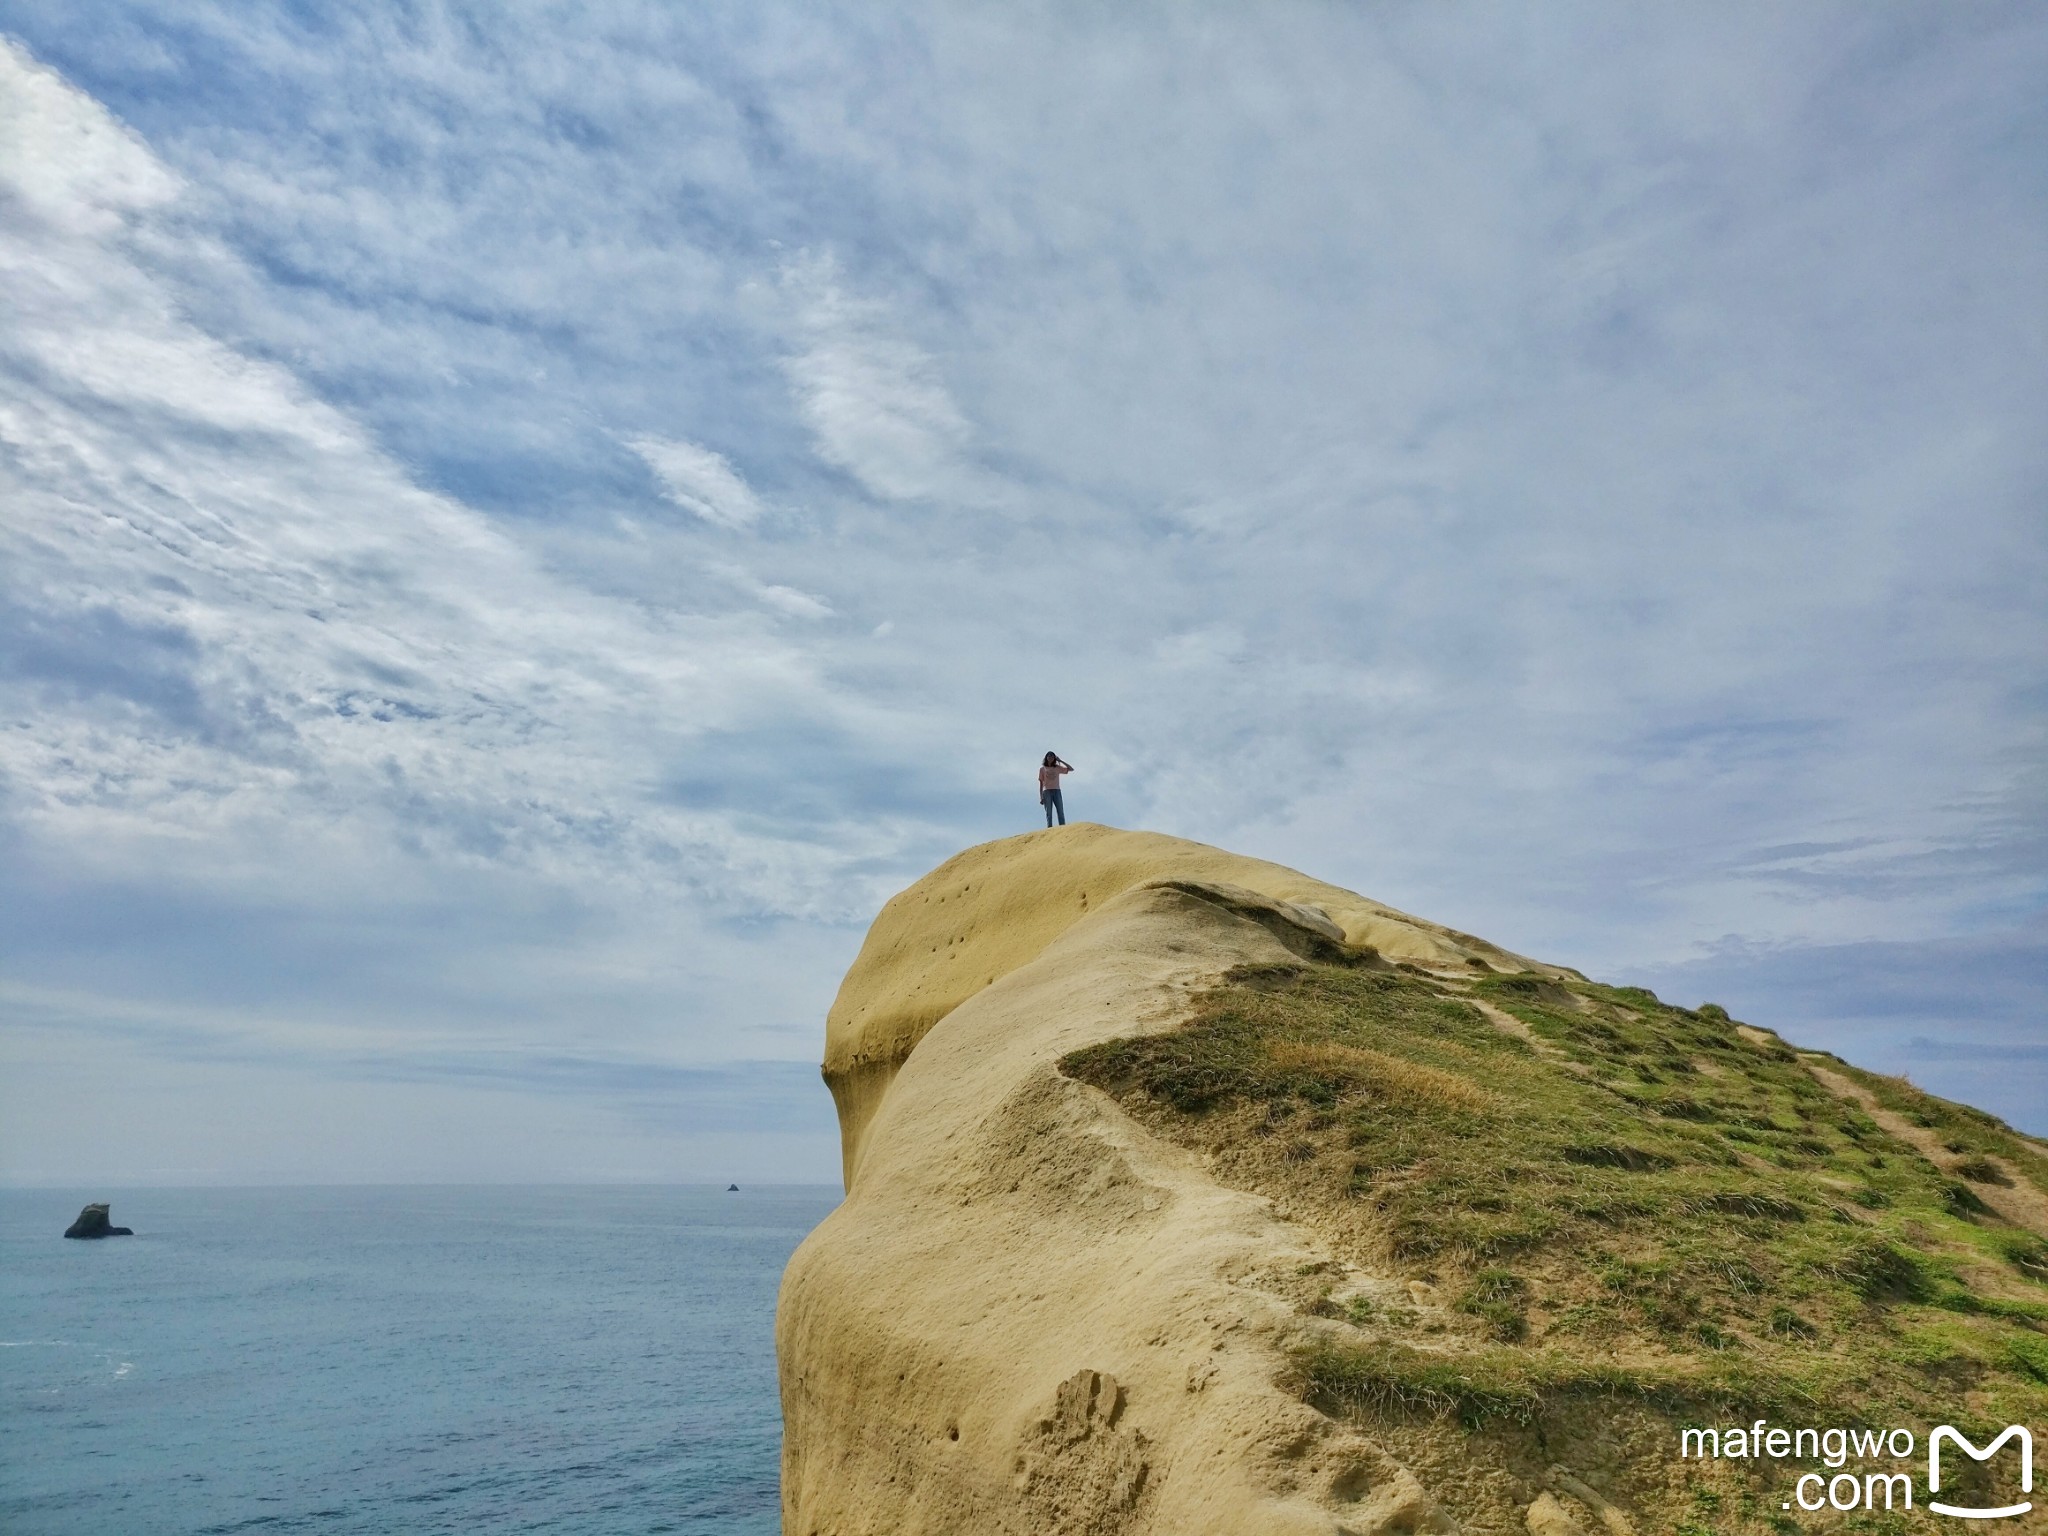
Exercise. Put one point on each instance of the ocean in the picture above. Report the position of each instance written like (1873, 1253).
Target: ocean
(581, 1361)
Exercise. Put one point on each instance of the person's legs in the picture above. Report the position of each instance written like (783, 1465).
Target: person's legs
(1059, 803)
(1045, 799)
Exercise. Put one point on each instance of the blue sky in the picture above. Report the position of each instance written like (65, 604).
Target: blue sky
(521, 526)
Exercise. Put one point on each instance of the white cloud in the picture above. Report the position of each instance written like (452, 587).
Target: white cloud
(797, 604)
(1536, 475)
(69, 166)
(699, 481)
(877, 402)
(247, 628)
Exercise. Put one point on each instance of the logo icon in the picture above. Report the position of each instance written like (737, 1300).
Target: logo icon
(1945, 1431)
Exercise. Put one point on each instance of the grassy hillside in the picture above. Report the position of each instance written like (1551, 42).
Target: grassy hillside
(1558, 1205)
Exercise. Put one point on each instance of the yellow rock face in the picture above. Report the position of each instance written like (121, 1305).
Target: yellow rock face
(995, 908)
(1046, 1311)
(1031, 1316)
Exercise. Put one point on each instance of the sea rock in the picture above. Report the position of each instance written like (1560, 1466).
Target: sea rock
(93, 1222)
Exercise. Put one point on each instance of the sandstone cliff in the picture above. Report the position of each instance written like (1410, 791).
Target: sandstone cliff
(1187, 1194)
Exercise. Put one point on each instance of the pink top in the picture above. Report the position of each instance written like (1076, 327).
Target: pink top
(1049, 778)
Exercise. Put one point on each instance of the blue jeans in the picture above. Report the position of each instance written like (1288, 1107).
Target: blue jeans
(1050, 799)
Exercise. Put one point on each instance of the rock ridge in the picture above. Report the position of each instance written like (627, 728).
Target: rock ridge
(1190, 1196)
(994, 908)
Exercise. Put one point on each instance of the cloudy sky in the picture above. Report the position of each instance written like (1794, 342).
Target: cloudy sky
(521, 526)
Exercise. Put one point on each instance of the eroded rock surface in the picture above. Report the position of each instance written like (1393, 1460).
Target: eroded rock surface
(1029, 1315)
(995, 908)
(1189, 1195)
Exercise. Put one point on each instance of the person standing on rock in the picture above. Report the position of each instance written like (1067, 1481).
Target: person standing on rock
(1049, 773)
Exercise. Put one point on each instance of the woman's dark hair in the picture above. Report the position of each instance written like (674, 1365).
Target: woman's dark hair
(1050, 759)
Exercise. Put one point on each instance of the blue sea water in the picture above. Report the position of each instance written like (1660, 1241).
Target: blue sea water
(589, 1362)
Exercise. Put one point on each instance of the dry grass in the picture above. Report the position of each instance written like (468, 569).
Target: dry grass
(1391, 1075)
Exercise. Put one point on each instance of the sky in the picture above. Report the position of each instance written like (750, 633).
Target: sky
(521, 525)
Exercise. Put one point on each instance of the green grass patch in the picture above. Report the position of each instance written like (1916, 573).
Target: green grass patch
(1631, 1179)
(1962, 1128)
(1396, 1380)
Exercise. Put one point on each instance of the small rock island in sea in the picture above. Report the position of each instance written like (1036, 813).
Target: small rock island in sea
(1191, 1196)
(94, 1221)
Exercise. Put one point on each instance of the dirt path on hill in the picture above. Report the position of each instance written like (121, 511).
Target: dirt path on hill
(2021, 1202)
(1508, 1024)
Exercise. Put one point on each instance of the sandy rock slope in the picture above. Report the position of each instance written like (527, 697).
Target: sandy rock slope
(1030, 1315)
